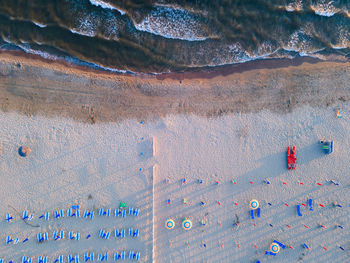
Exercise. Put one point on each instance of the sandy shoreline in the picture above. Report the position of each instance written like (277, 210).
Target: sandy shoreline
(35, 86)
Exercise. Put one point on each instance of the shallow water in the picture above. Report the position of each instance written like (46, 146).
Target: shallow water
(174, 35)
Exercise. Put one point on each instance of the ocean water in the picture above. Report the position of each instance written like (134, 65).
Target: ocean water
(154, 36)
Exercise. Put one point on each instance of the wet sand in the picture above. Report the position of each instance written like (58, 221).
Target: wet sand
(34, 86)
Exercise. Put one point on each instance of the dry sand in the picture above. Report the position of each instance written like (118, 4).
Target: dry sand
(258, 113)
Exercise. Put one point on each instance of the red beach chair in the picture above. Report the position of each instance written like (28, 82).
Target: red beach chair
(291, 158)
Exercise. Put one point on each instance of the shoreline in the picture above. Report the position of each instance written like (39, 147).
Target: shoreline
(39, 86)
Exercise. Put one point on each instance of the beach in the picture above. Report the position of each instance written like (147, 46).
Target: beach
(100, 138)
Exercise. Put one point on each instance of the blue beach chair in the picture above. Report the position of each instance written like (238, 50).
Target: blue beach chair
(136, 212)
(42, 259)
(270, 253)
(252, 214)
(117, 212)
(40, 238)
(131, 211)
(9, 217)
(116, 256)
(137, 256)
(59, 259)
(280, 244)
(122, 233)
(75, 207)
(130, 232)
(102, 233)
(26, 259)
(131, 254)
(88, 256)
(310, 205)
(136, 233)
(1, 260)
(124, 213)
(258, 212)
(16, 241)
(25, 240)
(122, 255)
(117, 233)
(8, 240)
(298, 210)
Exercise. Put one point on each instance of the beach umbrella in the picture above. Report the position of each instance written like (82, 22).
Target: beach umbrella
(274, 247)
(169, 224)
(24, 151)
(186, 224)
(253, 204)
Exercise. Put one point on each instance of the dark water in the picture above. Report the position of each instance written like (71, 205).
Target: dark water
(174, 35)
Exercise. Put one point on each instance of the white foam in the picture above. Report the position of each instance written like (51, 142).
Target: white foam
(325, 8)
(173, 23)
(294, 6)
(105, 5)
(39, 25)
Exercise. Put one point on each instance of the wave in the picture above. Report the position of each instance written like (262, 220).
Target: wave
(173, 23)
(106, 5)
(39, 25)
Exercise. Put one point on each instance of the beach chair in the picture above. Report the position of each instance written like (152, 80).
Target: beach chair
(25, 240)
(9, 217)
(131, 211)
(42, 259)
(75, 207)
(59, 259)
(117, 233)
(26, 259)
(124, 213)
(88, 214)
(25, 215)
(136, 212)
(136, 233)
(76, 258)
(55, 235)
(16, 241)
(258, 212)
(88, 256)
(69, 212)
(310, 205)
(77, 213)
(122, 234)
(45, 216)
(131, 254)
(122, 255)
(1, 260)
(8, 240)
(61, 234)
(298, 210)
(107, 234)
(117, 212)
(40, 237)
(137, 256)
(270, 253)
(70, 258)
(130, 231)
(102, 233)
(59, 213)
(116, 256)
(280, 244)
(252, 214)
(46, 236)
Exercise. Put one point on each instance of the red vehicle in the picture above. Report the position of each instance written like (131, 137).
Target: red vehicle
(291, 158)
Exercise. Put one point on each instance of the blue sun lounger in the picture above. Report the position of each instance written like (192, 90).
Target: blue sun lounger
(122, 255)
(298, 210)
(89, 214)
(252, 214)
(25, 240)
(59, 259)
(73, 235)
(46, 216)
(136, 212)
(124, 213)
(270, 253)
(75, 207)
(136, 233)
(26, 259)
(71, 258)
(42, 259)
(137, 256)
(130, 231)
(26, 215)
(117, 212)
(258, 212)
(280, 244)
(131, 211)
(42, 237)
(1, 260)
(59, 213)
(8, 240)
(88, 256)
(9, 217)
(122, 233)
(16, 241)
(131, 254)
(310, 205)
(106, 212)
(102, 257)
(117, 233)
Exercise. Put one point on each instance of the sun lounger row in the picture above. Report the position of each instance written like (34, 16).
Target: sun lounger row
(88, 256)
(75, 212)
(119, 233)
(9, 240)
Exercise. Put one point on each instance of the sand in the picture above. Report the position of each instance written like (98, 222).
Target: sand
(93, 158)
